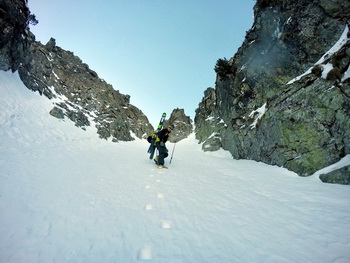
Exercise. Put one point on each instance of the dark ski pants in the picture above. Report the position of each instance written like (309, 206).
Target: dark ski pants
(163, 153)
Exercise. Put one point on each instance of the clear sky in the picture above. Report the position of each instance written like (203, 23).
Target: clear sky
(160, 52)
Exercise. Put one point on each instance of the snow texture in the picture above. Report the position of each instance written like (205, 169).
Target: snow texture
(68, 196)
(257, 115)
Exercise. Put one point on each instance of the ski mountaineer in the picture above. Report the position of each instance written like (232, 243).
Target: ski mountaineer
(152, 138)
(160, 143)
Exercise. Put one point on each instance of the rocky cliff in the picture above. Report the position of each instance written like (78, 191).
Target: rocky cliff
(208, 122)
(14, 32)
(76, 90)
(183, 125)
(284, 98)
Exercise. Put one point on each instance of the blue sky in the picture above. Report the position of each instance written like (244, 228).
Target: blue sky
(160, 52)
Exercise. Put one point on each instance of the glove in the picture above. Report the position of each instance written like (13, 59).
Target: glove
(162, 144)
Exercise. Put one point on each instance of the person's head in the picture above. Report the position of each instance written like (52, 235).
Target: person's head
(170, 128)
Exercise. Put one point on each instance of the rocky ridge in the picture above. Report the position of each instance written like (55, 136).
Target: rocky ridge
(183, 125)
(284, 98)
(80, 95)
(85, 98)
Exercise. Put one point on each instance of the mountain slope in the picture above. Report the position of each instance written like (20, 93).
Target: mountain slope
(67, 196)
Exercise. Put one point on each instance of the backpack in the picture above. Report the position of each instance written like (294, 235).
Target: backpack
(153, 137)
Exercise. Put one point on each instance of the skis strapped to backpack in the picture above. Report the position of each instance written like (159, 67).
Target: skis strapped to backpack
(152, 138)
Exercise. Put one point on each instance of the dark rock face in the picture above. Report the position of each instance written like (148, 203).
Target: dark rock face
(182, 123)
(14, 34)
(341, 176)
(208, 122)
(260, 111)
(58, 74)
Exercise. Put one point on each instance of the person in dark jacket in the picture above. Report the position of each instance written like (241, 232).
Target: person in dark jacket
(160, 143)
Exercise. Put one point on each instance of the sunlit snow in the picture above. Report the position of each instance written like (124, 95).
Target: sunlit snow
(68, 196)
(257, 115)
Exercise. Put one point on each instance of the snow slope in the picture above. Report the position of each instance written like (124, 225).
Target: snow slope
(67, 196)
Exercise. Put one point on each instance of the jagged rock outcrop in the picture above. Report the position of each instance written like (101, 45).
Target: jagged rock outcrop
(14, 32)
(208, 122)
(183, 125)
(269, 115)
(340, 176)
(77, 91)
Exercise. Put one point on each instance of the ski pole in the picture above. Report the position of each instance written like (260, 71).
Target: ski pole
(172, 154)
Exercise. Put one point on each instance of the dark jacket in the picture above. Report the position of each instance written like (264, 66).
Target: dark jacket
(163, 135)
